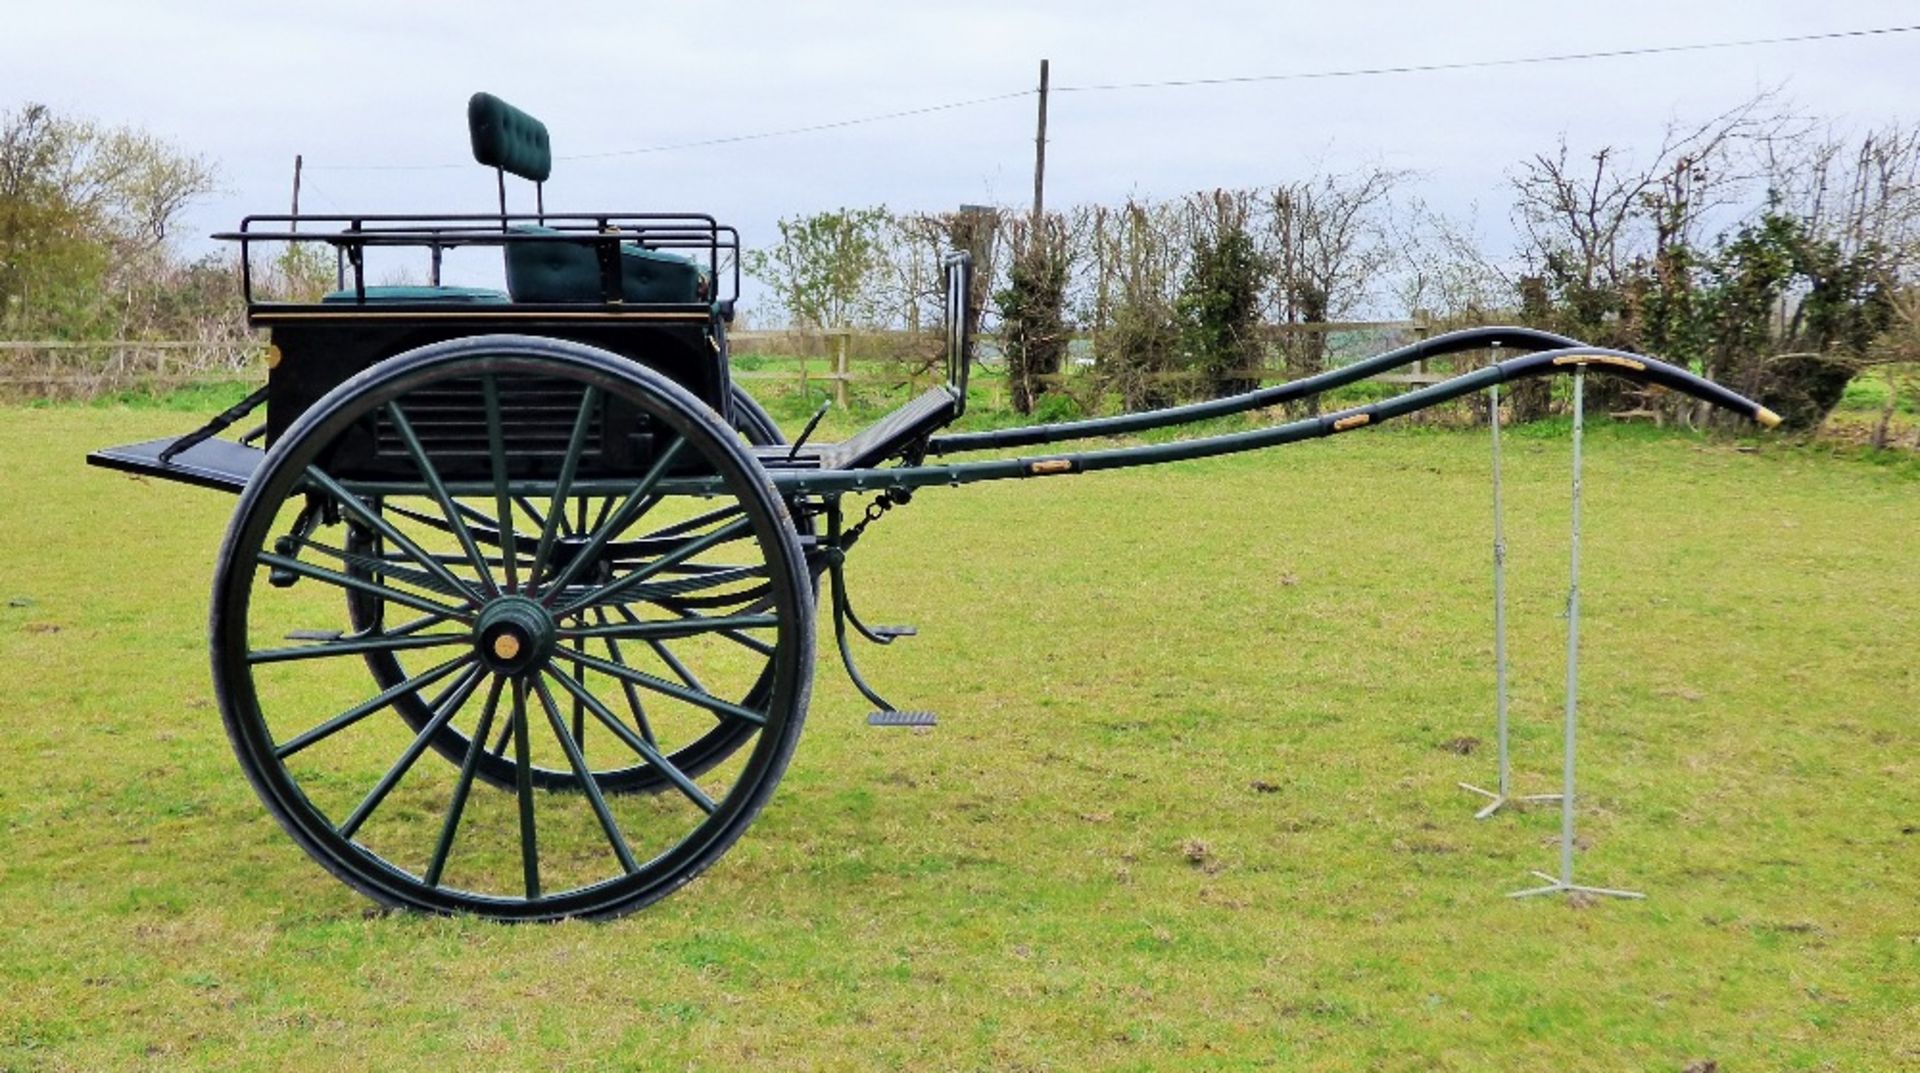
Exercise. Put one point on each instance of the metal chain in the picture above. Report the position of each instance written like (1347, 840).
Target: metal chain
(878, 506)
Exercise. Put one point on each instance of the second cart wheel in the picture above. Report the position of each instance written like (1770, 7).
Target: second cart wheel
(686, 542)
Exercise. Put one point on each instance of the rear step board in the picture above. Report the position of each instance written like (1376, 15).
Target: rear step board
(220, 464)
(901, 719)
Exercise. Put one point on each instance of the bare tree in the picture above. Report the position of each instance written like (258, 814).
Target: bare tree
(1860, 193)
(1326, 245)
(1612, 242)
(1588, 218)
(907, 276)
(1445, 270)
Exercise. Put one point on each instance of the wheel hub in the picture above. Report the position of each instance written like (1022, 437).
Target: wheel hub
(514, 635)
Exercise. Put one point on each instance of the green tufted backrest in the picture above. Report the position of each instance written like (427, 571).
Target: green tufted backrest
(504, 137)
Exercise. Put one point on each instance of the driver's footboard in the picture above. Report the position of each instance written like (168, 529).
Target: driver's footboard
(220, 464)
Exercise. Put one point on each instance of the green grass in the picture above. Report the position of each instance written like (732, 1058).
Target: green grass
(1191, 804)
(1868, 393)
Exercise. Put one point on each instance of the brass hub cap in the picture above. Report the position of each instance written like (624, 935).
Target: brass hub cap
(514, 635)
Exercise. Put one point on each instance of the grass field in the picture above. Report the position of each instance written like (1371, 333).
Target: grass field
(1191, 805)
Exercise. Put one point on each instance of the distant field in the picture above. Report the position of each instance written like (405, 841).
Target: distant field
(1191, 804)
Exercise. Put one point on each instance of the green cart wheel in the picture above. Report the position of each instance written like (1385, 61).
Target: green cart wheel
(696, 757)
(686, 545)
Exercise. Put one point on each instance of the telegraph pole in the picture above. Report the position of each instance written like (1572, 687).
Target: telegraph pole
(1040, 152)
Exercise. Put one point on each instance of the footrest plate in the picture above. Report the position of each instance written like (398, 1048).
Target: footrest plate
(901, 719)
(891, 632)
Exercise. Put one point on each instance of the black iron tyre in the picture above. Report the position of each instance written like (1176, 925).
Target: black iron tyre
(347, 787)
(758, 428)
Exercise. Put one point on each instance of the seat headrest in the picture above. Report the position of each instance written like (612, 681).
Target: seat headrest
(504, 137)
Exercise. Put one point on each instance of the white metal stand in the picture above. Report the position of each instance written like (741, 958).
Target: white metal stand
(1501, 797)
(1564, 884)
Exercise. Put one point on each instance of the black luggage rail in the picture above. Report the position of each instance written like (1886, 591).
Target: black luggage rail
(351, 235)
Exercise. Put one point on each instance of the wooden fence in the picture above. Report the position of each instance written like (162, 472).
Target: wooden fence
(837, 358)
(52, 369)
(841, 357)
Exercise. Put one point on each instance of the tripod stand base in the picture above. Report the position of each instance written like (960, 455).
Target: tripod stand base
(1500, 801)
(1555, 886)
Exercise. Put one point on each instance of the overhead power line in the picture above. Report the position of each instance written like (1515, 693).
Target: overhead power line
(1181, 83)
(1468, 65)
(810, 128)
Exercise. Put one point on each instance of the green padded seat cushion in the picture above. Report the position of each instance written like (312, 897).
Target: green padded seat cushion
(570, 272)
(504, 137)
(434, 295)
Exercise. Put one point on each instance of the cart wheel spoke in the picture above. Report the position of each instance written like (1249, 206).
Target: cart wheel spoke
(638, 502)
(539, 519)
(383, 643)
(691, 694)
(588, 783)
(497, 454)
(563, 487)
(600, 517)
(681, 670)
(523, 789)
(359, 509)
(438, 489)
(499, 748)
(695, 523)
(686, 626)
(632, 693)
(462, 787)
(649, 753)
(346, 581)
(445, 706)
(736, 530)
(383, 568)
(752, 644)
(369, 706)
(580, 713)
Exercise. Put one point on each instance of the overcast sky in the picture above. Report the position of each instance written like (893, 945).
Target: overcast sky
(350, 83)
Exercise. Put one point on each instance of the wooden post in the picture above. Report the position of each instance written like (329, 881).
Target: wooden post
(840, 340)
(1421, 329)
(296, 193)
(1040, 153)
(805, 395)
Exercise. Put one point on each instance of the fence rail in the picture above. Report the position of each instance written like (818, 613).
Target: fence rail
(839, 353)
(63, 369)
(839, 358)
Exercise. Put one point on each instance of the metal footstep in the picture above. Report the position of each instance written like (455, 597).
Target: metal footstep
(890, 632)
(901, 719)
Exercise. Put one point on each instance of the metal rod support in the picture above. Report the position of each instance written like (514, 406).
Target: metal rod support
(1499, 597)
(1564, 884)
(1573, 638)
(1503, 796)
